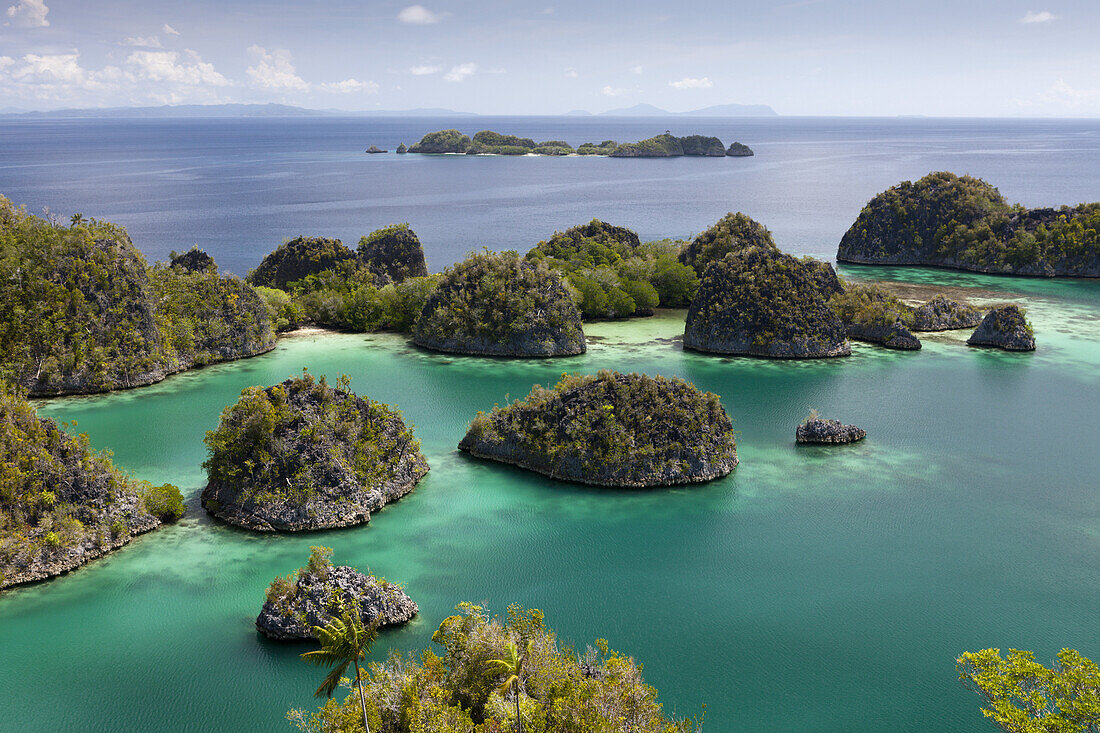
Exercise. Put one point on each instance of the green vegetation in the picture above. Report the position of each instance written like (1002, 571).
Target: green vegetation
(62, 503)
(964, 222)
(763, 302)
(488, 142)
(702, 145)
(297, 259)
(81, 311)
(665, 145)
(605, 148)
(739, 150)
(193, 259)
(285, 443)
(870, 305)
(1023, 696)
(613, 275)
(558, 689)
(499, 304)
(731, 233)
(611, 429)
(344, 642)
(443, 141)
(392, 254)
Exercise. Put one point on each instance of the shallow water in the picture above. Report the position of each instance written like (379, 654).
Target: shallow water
(814, 588)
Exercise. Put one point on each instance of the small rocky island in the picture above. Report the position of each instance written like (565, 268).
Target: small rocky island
(871, 313)
(498, 304)
(625, 430)
(63, 504)
(302, 455)
(732, 233)
(940, 313)
(317, 593)
(1006, 328)
(488, 142)
(945, 220)
(82, 312)
(822, 430)
(761, 302)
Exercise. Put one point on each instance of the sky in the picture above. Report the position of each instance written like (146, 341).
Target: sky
(986, 58)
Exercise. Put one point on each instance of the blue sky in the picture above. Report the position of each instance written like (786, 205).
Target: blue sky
(805, 57)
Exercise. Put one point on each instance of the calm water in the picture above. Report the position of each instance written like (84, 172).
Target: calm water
(813, 589)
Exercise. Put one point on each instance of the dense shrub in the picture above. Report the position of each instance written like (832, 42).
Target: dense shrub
(664, 145)
(297, 259)
(731, 233)
(392, 254)
(443, 141)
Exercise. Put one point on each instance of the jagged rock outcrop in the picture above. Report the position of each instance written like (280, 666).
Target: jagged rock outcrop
(703, 145)
(822, 430)
(945, 220)
(193, 260)
(375, 149)
(500, 305)
(731, 233)
(62, 504)
(302, 455)
(320, 591)
(611, 429)
(739, 150)
(298, 258)
(1006, 328)
(401, 149)
(392, 254)
(762, 302)
(942, 314)
(892, 335)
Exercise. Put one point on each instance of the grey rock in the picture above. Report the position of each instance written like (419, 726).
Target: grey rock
(1006, 328)
(942, 314)
(823, 430)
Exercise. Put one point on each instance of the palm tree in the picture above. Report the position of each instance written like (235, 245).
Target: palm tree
(512, 668)
(344, 641)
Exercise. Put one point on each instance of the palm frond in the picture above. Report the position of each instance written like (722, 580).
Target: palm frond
(331, 681)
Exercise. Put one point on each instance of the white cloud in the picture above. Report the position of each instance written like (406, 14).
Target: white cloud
(1043, 16)
(419, 15)
(275, 70)
(610, 91)
(690, 82)
(6, 61)
(460, 72)
(167, 67)
(142, 41)
(347, 86)
(29, 14)
(636, 69)
(571, 73)
(425, 70)
(170, 30)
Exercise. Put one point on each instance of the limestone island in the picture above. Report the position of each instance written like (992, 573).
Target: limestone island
(761, 302)
(497, 304)
(944, 220)
(625, 430)
(873, 314)
(940, 313)
(81, 311)
(1006, 328)
(302, 455)
(317, 593)
(373, 149)
(488, 142)
(63, 504)
(732, 233)
(816, 429)
(612, 274)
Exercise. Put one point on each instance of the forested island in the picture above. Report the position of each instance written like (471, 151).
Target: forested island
(63, 504)
(611, 429)
(303, 455)
(945, 220)
(665, 145)
(82, 312)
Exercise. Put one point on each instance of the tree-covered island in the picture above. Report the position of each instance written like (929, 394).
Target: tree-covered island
(303, 455)
(611, 429)
(487, 142)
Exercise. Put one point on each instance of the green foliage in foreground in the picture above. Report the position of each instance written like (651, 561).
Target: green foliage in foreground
(461, 689)
(57, 494)
(1023, 696)
(613, 275)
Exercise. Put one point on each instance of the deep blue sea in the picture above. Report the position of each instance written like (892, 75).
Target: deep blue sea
(813, 589)
(240, 187)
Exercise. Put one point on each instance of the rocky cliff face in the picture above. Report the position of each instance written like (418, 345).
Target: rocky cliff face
(1006, 328)
(823, 430)
(702, 145)
(63, 505)
(761, 302)
(302, 456)
(298, 258)
(612, 429)
(944, 220)
(500, 305)
(893, 336)
(313, 599)
(392, 254)
(943, 314)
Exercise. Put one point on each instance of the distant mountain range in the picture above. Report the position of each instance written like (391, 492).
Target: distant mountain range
(286, 110)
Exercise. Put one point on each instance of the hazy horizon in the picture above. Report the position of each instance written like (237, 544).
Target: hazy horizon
(494, 57)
